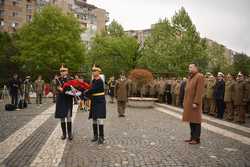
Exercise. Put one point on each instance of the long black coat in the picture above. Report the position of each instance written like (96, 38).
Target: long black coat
(98, 103)
(14, 86)
(182, 93)
(219, 90)
(64, 103)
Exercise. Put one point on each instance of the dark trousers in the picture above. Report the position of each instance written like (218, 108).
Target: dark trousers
(121, 106)
(220, 107)
(38, 98)
(195, 131)
(14, 99)
(54, 97)
(168, 98)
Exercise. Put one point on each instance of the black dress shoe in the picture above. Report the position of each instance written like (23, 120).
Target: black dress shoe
(94, 139)
(100, 140)
(63, 137)
(70, 137)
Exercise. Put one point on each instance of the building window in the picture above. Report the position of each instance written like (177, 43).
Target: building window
(1, 2)
(28, 6)
(15, 2)
(14, 14)
(1, 13)
(28, 18)
(1, 22)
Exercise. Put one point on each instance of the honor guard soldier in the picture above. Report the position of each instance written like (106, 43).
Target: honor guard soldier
(64, 104)
(98, 105)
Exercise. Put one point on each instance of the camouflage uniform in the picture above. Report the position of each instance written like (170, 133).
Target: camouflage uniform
(239, 98)
(211, 108)
(228, 99)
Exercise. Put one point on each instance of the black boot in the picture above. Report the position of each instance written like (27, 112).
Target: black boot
(63, 126)
(95, 131)
(69, 128)
(101, 134)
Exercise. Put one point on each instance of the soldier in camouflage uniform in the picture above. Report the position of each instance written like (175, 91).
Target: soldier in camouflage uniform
(173, 84)
(152, 89)
(161, 88)
(177, 92)
(240, 99)
(209, 95)
(228, 98)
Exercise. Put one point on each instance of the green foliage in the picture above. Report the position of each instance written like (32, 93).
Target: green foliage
(52, 38)
(173, 45)
(115, 29)
(241, 63)
(7, 52)
(217, 58)
(114, 51)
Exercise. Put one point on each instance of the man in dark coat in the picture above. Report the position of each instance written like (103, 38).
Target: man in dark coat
(111, 85)
(98, 105)
(219, 92)
(54, 87)
(14, 86)
(182, 91)
(64, 104)
(168, 93)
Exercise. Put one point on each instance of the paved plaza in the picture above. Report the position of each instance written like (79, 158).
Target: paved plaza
(146, 137)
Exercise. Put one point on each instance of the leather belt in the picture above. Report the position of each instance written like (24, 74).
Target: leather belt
(98, 94)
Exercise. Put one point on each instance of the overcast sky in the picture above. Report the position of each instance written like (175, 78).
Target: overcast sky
(225, 21)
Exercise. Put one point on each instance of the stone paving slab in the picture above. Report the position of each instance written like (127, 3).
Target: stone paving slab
(52, 151)
(12, 143)
(27, 151)
(11, 121)
(144, 138)
(147, 137)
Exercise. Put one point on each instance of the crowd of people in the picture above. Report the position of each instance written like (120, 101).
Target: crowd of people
(20, 90)
(225, 97)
